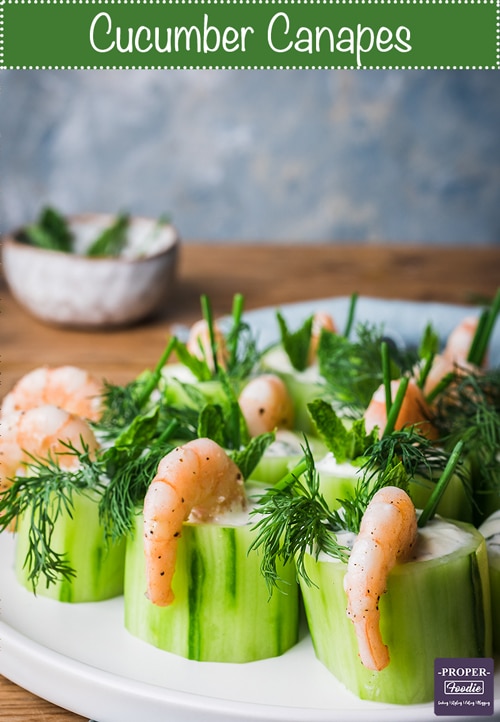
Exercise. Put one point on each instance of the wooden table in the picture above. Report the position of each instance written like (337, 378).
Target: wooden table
(266, 275)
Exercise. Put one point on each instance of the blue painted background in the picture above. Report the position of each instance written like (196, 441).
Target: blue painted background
(325, 156)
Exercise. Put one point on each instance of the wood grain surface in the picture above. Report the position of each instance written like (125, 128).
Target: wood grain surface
(267, 275)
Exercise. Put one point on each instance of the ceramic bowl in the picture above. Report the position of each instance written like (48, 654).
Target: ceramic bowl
(69, 289)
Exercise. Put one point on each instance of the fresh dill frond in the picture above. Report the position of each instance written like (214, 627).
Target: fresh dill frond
(352, 370)
(417, 455)
(130, 474)
(294, 520)
(43, 494)
(469, 410)
(122, 404)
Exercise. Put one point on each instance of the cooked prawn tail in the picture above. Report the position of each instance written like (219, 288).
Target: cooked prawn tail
(266, 405)
(196, 482)
(387, 535)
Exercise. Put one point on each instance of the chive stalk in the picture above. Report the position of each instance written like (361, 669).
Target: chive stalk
(441, 486)
(483, 333)
(350, 314)
(396, 406)
(208, 316)
(386, 372)
(237, 312)
(425, 370)
(153, 381)
(440, 387)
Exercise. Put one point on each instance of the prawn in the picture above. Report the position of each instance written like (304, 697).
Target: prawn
(387, 534)
(199, 344)
(266, 404)
(41, 432)
(321, 320)
(196, 481)
(68, 387)
(454, 355)
(460, 339)
(414, 410)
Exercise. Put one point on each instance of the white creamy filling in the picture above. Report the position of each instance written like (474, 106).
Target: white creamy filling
(437, 539)
(179, 372)
(286, 444)
(277, 359)
(328, 465)
(490, 529)
(238, 516)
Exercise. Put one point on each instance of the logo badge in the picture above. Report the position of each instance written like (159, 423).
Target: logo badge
(463, 686)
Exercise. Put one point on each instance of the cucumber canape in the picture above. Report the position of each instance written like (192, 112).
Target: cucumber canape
(490, 529)
(97, 563)
(222, 611)
(283, 454)
(436, 605)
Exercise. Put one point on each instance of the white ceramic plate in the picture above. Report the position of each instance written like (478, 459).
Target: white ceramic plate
(81, 657)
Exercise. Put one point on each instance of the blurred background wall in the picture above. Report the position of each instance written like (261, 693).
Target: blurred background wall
(311, 156)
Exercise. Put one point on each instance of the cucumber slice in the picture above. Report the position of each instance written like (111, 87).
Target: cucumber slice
(283, 454)
(222, 611)
(303, 386)
(337, 481)
(456, 502)
(99, 565)
(490, 529)
(435, 607)
(182, 388)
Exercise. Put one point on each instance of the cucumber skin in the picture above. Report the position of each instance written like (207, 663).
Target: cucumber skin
(99, 564)
(495, 605)
(272, 468)
(451, 617)
(222, 611)
(453, 505)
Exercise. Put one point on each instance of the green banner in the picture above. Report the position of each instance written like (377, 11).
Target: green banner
(250, 34)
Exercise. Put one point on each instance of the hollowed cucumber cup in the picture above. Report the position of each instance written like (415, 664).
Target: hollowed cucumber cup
(436, 607)
(222, 610)
(98, 564)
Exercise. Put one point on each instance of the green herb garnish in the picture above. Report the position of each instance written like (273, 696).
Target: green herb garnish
(345, 442)
(353, 369)
(43, 493)
(293, 520)
(296, 343)
(112, 240)
(486, 324)
(243, 354)
(51, 231)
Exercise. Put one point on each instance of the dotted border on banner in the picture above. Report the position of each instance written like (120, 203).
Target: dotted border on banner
(248, 67)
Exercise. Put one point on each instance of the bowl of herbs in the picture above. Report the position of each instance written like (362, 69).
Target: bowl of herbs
(91, 270)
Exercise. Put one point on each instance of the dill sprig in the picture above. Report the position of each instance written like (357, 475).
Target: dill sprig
(122, 404)
(417, 456)
(353, 370)
(44, 493)
(469, 410)
(294, 520)
(128, 483)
